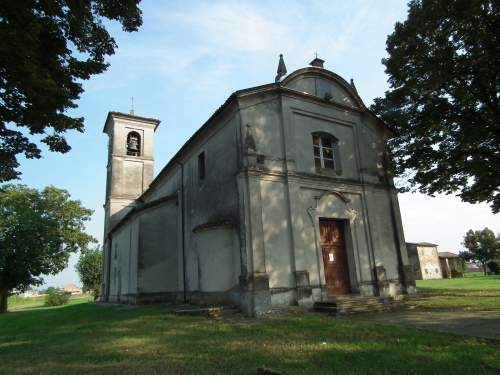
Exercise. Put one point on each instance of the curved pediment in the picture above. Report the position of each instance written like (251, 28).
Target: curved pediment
(324, 84)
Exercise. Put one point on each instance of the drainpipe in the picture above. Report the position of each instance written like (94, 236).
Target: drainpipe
(183, 230)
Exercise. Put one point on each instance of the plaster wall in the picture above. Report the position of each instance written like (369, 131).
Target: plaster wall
(382, 231)
(218, 270)
(413, 260)
(215, 197)
(159, 250)
(276, 233)
(123, 266)
(428, 258)
(265, 120)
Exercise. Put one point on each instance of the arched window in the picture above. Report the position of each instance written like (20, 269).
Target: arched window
(133, 144)
(325, 149)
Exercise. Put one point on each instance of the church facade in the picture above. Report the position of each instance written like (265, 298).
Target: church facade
(282, 198)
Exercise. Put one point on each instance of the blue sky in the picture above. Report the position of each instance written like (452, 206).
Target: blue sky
(189, 56)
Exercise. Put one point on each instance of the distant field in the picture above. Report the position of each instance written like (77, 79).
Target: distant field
(470, 293)
(35, 303)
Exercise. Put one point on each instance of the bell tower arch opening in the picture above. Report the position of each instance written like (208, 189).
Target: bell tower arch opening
(133, 145)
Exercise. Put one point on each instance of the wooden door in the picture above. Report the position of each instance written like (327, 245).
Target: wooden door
(334, 257)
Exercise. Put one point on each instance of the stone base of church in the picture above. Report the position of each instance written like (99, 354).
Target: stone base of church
(144, 298)
(211, 298)
(271, 302)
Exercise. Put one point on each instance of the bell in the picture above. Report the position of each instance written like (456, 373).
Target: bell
(132, 146)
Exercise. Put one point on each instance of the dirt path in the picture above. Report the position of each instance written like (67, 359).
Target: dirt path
(482, 324)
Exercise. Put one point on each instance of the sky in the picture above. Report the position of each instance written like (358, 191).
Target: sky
(187, 59)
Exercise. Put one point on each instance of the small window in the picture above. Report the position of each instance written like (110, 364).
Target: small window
(116, 251)
(323, 89)
(437, 270)
(426, 271)
(324, 154)
(133, 144)
(201, 166)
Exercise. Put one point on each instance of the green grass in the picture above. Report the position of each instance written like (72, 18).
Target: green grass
(35, 303)
(14, 300)
(88, 339)
(470, 293)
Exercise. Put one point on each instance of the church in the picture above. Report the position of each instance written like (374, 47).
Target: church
(282, 198)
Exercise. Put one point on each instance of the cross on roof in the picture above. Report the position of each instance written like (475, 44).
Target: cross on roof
(133, 102)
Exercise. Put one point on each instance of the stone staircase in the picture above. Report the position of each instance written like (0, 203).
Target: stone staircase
(350, 304)
(217, 312)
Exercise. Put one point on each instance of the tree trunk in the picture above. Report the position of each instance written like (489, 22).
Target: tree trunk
(484, 268)
(4, 295)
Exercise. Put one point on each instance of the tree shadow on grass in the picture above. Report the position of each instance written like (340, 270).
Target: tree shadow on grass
(82, 339)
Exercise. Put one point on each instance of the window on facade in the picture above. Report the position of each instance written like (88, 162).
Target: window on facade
(437, 270)
(116, 251)
(324, 153)
(426, 271)
(323, 89)
(201, 166)
(133, 144)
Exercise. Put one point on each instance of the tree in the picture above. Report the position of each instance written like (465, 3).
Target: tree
(444, 72)
(38, 232)
(89, 269)
(46, 48)
(494, 266)
(50, 289)
(460, 266)
(482, 246)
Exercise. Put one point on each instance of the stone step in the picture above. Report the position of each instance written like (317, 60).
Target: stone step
(355, 302)
(197, 310)
(347, 297)
(224, 312)
(369, 307)
(382, 310)
(360, 305)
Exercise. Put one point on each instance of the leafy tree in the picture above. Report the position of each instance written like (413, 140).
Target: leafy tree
(444, 72)
(89, 269)
(460, 266)
(38, 232)
(46, 48)
(482, 246)
(51, 289)
(494, 266)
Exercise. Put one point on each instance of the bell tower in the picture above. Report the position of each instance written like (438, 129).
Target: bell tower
(130, 167)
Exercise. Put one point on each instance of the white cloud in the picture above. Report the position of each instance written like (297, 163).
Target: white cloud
(237, 27)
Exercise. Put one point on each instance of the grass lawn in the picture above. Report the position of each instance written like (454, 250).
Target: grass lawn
(477, 292)
(33, 303)
(87, 339)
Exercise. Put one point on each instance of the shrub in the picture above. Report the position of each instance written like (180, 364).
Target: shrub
(494, 266)
(56, 298)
